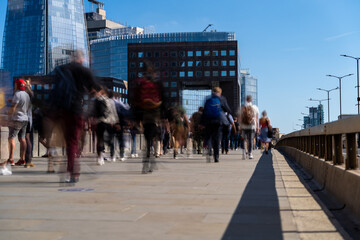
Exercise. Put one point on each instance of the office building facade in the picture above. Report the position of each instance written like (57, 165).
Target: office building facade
(40, 35)
(109, 55)
(189, 70)
(249, 86)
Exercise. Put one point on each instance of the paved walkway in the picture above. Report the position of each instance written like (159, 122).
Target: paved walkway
(185, 199)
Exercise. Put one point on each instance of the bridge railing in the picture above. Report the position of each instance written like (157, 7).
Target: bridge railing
(328, 141)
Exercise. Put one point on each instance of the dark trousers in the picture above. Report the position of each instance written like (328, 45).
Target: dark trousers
(213, 134)
(150, 133)
(100, 130)
(225, 139)
(73, 126)
(120, 138)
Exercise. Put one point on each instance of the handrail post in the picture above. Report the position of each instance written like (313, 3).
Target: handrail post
(339, 158)
(351, 152)
(322, 146)
(328, 148)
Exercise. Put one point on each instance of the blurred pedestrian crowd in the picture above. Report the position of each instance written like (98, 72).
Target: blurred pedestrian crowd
(62, 120)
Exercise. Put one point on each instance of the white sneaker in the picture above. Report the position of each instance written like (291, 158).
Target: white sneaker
(122, 159)
(100, 160)
(132, 155)
(113, 159)
(251, 156)
(136, 155)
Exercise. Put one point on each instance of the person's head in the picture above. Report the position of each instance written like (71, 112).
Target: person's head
(20, 84)
(201, 109)
(78, 56)
(248, 98)
(217, 91)
(264, 114)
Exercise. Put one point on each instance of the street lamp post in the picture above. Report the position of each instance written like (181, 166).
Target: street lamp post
(340, 87)
(357, 86)
(328, 98)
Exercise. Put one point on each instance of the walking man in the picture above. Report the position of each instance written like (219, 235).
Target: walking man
(249, 124)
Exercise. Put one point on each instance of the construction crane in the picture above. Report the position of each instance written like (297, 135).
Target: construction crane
(207, 27)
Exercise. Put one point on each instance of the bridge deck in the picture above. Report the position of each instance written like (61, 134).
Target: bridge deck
(261, 198)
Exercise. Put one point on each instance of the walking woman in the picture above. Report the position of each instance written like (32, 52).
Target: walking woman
(265, 131)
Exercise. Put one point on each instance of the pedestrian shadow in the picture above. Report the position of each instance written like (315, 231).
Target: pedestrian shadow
(257, 215)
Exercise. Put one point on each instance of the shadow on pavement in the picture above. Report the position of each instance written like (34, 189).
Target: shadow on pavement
(257, 215)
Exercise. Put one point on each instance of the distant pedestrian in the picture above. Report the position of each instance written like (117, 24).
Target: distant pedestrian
(265, 131)
(19, 118)
(197, 131)
(249, 124)
(213, 119)
(149, 107)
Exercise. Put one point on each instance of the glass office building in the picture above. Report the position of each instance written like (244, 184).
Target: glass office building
(41, 34)
(193, 99)
(249, 86)
(109, 55)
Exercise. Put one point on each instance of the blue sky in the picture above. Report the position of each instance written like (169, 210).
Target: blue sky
(290, 46)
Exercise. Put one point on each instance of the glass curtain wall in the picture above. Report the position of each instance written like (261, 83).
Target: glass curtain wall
(193, 99)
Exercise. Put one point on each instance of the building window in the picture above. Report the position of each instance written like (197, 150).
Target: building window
(38, 87)
(166, 94)
(132, 75)
(215, 63)
(232, 73)
(173, 74)
(223, 73)
(182, 54)
(198, 53)
(190, 53)
(165, 54)
(198, 73)
(198, 63)
(206, 53)
(166, 84)
(190, 74)
(190, 63)
(173, 64)
(182, 64)
(223, 63)
(232, 53)
(46, 87)
(165, 64)
(132, 65)
(148, 54)
(181, 74)
(215, 73)
(207, 73)
(173, 84)
(141, 64)
(206, 63)
(46, 96)
(173, 94)
(165, 74)
(173, 54)
(157, 64)
(132, 55)
(215, 53)
(223, 52)
(140, 54)
(156, 54)
(232, 63)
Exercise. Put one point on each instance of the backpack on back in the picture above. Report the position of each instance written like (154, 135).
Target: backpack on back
(212, 109)
(64, 92)
(247, 115)
(148, 94)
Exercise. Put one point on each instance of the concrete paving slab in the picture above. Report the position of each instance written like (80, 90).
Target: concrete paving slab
(260, 198)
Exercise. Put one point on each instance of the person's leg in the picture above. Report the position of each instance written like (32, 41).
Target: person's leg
(73, 130)
(11, 147)
(216, 141)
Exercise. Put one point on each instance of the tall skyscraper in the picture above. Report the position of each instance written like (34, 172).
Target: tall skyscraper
(249, 86)
(42, 34)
